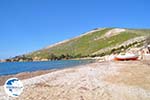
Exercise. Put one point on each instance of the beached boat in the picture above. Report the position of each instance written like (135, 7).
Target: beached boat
(127, 56)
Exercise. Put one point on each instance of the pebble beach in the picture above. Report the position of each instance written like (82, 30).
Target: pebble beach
(108, 80)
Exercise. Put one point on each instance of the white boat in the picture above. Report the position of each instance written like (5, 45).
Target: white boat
(126, 56)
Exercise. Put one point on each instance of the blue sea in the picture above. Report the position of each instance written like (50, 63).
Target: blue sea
(9, 68)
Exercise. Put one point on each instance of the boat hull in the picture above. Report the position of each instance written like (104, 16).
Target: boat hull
(125, 59)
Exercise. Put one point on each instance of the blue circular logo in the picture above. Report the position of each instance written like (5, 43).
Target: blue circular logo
(13, 87)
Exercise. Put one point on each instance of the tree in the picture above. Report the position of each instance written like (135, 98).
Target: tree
(62, 56)
(67, 56)
(8, 60)
(52, 57)
(78, 55)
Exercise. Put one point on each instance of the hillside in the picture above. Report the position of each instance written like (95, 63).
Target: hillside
(97, 42)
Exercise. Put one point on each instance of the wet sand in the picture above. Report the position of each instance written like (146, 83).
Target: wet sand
(128, 80)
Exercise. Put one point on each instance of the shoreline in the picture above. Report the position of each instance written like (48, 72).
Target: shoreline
(24, 75)
(28, 75)
(85, 58)
(108, 80)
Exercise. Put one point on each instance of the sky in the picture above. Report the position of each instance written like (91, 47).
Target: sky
(29, 25)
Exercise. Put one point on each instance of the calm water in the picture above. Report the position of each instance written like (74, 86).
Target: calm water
(17, 67)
